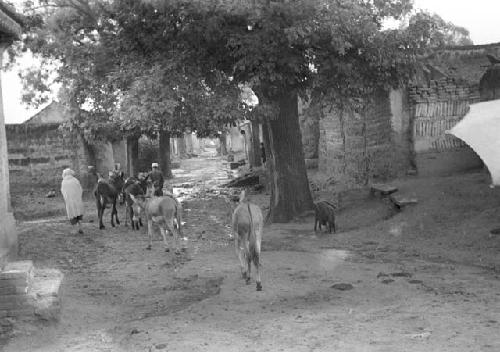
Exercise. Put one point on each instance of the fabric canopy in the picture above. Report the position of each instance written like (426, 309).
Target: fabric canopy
(480, 129)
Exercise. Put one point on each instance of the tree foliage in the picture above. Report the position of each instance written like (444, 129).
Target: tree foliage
(121, 69)
(148, 63)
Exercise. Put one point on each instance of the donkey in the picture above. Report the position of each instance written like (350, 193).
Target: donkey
(132, 186)
(248, 224)
(162, 211)
(108, 192)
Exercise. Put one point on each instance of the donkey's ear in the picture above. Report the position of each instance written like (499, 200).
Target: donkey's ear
(133, 198)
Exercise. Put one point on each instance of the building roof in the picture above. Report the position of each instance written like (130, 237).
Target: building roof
(52, 113)
(10, 22)
(464, 63)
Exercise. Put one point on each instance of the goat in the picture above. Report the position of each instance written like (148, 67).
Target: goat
(324, 215)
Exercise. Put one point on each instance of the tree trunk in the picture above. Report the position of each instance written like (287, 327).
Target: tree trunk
(290, 194)
(132, 156)
(255, 145)
(223, 143)
(164, 153)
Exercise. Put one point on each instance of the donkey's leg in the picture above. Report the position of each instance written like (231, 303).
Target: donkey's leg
(127, 212)
(256, 262)
(170, 226)
(150, 234)
(100, 211)
(163, 231)
(114, 213)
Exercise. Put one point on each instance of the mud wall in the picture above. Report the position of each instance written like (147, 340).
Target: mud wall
(356, 148)
(39, 153)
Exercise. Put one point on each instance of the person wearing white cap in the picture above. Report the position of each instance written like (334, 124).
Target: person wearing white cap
(72, 193)
(156, 177)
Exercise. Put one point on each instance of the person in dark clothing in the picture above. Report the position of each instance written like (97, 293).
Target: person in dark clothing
(156, 177)
(263, 152)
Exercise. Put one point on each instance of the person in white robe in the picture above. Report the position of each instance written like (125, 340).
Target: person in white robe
(72, 192)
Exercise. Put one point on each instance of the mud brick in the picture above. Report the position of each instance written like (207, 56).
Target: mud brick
(17, 270)
(22, 283)
(13, 289)
(16, 278)
(9, 302)
(400, 200)
(19, 312)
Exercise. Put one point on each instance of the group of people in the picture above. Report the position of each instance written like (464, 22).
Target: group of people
(72, 193)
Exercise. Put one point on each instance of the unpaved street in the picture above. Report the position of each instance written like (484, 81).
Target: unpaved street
(387, 281)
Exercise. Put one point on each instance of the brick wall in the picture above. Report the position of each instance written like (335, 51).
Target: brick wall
(436, 108)
(41, 151)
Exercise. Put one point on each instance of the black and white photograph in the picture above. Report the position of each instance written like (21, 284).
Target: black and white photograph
(249, 175)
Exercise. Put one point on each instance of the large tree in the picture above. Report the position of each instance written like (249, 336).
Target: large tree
(282, 50)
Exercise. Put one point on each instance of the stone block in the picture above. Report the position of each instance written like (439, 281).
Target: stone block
(45, 290)
(401, 200)
(383, 189)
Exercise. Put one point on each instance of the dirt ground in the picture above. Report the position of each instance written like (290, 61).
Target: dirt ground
(422, 279)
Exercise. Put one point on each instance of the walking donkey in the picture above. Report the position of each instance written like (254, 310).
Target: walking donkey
(248, 224)
(108, 192)
(164, 211)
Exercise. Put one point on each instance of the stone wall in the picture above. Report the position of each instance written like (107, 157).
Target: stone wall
(39, 152)
(356, 148)
(235, 140)
(436, 108)
(402, 139)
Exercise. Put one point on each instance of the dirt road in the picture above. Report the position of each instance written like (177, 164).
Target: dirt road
(425, 279)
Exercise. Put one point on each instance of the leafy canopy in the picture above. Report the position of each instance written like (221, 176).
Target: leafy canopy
(143, 65)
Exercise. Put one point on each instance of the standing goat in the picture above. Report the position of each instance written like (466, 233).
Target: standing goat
(248, 224)
(324, 215)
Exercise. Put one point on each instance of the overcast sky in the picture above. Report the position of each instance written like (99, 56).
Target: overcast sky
(480, 17)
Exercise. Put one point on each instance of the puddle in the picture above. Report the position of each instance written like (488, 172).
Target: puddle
(53, 220)
(331, 258)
